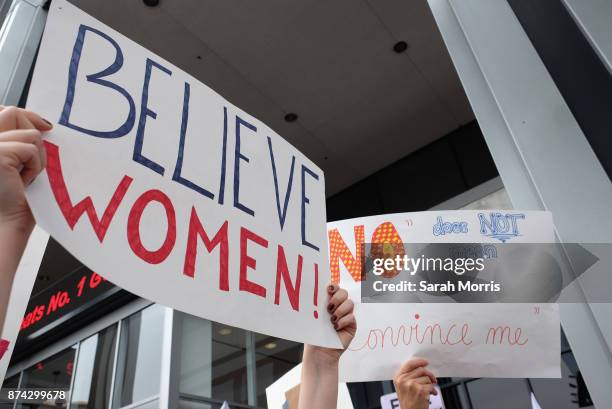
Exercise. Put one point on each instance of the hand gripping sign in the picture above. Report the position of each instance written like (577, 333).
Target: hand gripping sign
(458, 339)
(171, 191)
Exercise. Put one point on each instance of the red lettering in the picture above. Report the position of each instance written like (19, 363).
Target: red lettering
(378, 338)
(81, 286)
(133, 227)
(197, 230)
(71, 213)
(58, 300)
(95, 280)
(247, 262)
(38, 313)
(505, 333)
(33, 316)
(338, 250)
(293, 291)
(27, 320)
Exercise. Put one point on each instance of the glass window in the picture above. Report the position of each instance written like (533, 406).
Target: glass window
(94, 370)
(275, 357)
(213, 362)
(229, 377)
(12, 382)
(139, 360)
(366, 393)
(499, 393)
(52, 373)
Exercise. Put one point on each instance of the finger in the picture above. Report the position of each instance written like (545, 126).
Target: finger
(332, 288)
(421, 371)
(423, 380)
(38, 121)
(343, 309)
(32, 136)
(24, 155)
(17, 118)
(12, 118)
(347, 323)
(337, 299)
(430, 388)
(412, 364)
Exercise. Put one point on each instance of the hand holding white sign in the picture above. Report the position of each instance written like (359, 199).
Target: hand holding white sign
(414, 383)
(458, 339)
(319, 388)
(22, 157)
(166, 189)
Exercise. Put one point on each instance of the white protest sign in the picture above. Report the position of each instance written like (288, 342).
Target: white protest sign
(457, 339)
(276, 392)
(20, 294)
(169, 191)
(390, 401)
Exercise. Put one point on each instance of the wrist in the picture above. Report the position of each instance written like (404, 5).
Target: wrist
(17, 227)
(322, 357)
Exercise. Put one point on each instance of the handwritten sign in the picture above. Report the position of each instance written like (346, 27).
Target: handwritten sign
(171, 191)
(470, 340)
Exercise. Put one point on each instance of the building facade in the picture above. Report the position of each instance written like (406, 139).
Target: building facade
(110, 349)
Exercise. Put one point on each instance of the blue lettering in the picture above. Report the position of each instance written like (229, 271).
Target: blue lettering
(96, 78)
(179, 159)
(500, 226)
(282, 214)
(441, 228)
(144, 113)
(305, 201)
(223, 158)
(238, 156)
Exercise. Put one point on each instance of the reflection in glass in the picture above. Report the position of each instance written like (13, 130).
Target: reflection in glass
(275, 357)
(213, 362)
(499, 393)
(139, 359)
(52, 373)
(229, 381)
(94, 371)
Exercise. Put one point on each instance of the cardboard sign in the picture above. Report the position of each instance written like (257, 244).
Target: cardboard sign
(459, 340)
(173, 193)
(390, 401)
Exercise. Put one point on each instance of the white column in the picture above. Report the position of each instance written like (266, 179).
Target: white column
(19, 39)
(543, 158)
(594, 18)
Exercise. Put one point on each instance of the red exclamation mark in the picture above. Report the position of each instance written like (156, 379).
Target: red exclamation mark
(316, 291)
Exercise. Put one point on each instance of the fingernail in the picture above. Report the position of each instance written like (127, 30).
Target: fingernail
(332, 288)
(330, 307)
(335, 325)
(333, 318)
(48, 122)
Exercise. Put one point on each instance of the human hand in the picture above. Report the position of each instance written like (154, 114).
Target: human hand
(340, 307)
(414, 383)
(22, 158)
